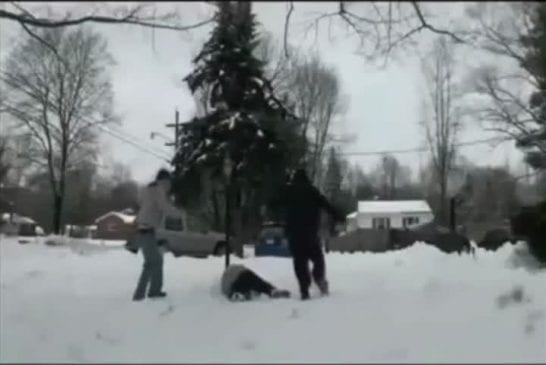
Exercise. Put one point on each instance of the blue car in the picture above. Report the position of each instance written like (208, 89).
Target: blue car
(272, 241)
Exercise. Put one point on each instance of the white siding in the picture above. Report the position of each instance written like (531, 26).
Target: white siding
(365, 220)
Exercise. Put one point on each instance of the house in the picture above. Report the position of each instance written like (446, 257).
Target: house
(81, 231)
(115, 226)
(15, 224)
(352, 224)
(385, 214)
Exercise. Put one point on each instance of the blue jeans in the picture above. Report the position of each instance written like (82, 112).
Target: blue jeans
(152, 270)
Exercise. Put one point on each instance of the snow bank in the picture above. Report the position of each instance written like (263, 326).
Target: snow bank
(412, 305)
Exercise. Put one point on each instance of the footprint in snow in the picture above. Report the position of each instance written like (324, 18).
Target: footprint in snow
(75, 352)
(532, 318)
(169, 310)
(107, 339)
(248, 345)
(33, 274)
(515, 296)
(295, 313)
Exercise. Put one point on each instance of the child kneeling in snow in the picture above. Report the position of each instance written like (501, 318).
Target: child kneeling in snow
(241, 283)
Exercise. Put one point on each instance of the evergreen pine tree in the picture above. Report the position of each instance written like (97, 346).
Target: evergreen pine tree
(245, 121)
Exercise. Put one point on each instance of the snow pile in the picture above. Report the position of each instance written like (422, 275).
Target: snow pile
(521, 257)
(412, 305)
(56, 240)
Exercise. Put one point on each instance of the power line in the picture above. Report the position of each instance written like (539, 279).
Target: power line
(358, 153)
(136, 139)
(134, 144)
(128, 138)
(424, 149)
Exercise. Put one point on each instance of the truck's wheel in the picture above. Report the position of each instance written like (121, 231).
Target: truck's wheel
(220, 249)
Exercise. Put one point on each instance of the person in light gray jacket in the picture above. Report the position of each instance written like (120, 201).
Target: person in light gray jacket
(241, 283)
(154, 205)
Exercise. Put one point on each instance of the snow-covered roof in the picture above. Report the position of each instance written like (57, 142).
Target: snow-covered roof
(19, 219)
(4, 217)
(126, 218)
(393, 206)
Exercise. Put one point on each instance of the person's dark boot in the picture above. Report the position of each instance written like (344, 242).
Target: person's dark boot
(137, 298)
(161, 294)
(323, 287)
(305, 296)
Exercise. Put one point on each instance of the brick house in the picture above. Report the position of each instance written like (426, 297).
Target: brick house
(115, 226)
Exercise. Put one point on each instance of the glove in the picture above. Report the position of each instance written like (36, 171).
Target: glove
(131, 247)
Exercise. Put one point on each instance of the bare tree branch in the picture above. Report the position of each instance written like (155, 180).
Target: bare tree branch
(426, 25)
(506, 111)
(286, 27)
(132, 18)
(387, 30)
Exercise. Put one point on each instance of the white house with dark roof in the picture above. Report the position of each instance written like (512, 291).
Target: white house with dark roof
(385, 214)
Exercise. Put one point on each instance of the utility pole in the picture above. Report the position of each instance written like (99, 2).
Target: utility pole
(176, 126)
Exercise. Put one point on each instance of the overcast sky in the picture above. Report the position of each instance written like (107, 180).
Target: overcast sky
(384, 104)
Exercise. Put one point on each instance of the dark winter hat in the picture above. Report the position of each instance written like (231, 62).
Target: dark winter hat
(163, 174)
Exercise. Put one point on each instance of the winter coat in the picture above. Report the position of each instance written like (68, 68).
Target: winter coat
(230, 276)
(303, 206)
(154, 204)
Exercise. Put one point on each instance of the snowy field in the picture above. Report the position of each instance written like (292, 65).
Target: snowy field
(59, 304)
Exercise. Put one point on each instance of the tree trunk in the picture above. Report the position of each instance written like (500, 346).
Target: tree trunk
(393, 185)
(216, 210)
(443, 201)
(57, 213)
(236, 242)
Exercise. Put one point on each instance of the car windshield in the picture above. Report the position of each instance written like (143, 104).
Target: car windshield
(272, 232)
(174, 224)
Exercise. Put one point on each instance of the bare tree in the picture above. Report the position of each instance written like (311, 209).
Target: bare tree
(315, 92)
(278, 66)
(442, 121)
(510, 102)
(59, 101)
(5, 164)
(389, 176)
(15, 152)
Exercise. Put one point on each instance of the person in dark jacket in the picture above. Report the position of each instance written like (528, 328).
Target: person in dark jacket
(241, 283)
(303, 205)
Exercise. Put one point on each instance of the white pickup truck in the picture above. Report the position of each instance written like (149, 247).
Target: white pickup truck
(178, 237)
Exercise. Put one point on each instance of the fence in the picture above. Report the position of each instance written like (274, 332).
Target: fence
(361, 240)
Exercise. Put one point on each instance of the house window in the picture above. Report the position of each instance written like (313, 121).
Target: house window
(111, 227)
(174, 224)
(381, 223)
(409, 221)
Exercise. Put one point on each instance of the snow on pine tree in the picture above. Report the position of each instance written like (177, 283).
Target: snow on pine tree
(243, 114)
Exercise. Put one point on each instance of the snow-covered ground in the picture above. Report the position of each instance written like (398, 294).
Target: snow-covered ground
(414, 305)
